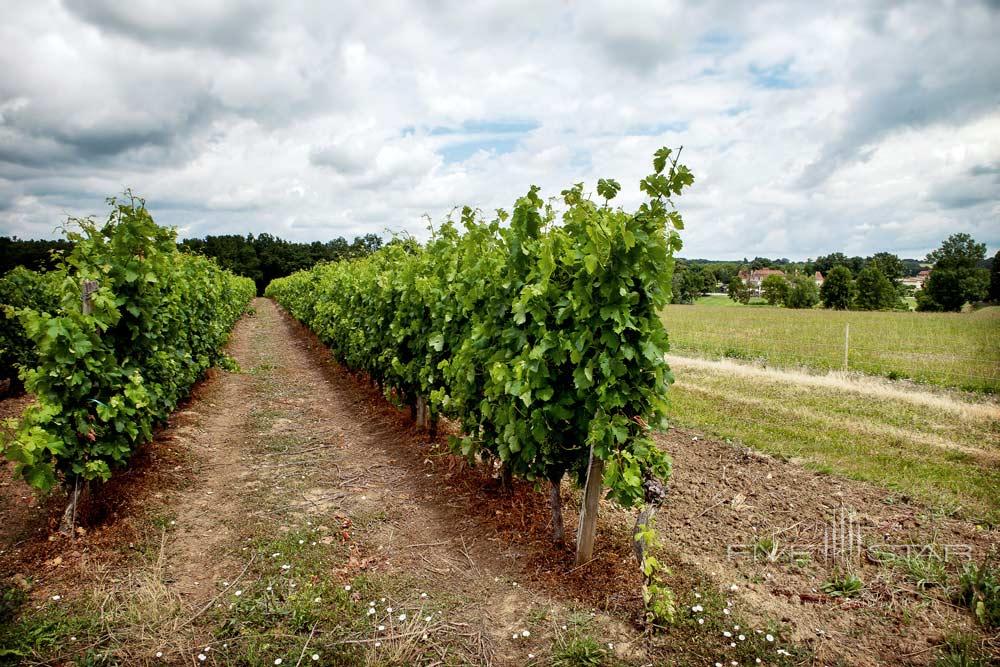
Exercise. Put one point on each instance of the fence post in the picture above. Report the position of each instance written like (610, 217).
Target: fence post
(847, 342)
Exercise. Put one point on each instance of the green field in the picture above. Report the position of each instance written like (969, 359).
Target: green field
(959, 350)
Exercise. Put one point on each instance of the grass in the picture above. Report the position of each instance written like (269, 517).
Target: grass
(932, 446)
(959, 350)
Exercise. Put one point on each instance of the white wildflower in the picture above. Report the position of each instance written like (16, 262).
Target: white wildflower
(769, 637)
(402, 617)
(347, 587)
(525, 633)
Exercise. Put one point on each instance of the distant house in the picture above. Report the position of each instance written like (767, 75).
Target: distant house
(753, 279)
(818, 277)
(917, 281)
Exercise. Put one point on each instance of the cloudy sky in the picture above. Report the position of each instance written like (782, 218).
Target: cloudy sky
(862, 127)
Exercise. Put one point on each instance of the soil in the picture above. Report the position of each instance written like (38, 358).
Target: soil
(295, 437)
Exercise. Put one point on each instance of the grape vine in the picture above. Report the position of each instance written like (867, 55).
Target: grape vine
(102, 380)
(541, 337)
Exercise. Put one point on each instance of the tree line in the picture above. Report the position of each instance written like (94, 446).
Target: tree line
(960, 273)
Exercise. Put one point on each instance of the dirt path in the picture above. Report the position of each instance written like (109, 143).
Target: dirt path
(285, 499)
(301, 443)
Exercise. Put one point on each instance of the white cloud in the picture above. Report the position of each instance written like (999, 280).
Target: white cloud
(810, 130)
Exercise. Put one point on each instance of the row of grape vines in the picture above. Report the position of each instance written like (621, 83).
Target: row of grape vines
(22, 288)
(540, 336)
(112, 341)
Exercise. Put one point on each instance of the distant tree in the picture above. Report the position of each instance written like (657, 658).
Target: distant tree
(774, 289)
(688, 283)
(760, 263)
(959, 251)
(723, 275)
(709, 279)
(995, 279)
(825, 263)
(911, 267)
(955, 278)
(802, 292)
(837, 291)
(875, 291)
(37, 255)
(888, 264)
(738, 292)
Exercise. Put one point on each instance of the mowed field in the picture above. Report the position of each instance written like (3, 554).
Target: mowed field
(959, 350)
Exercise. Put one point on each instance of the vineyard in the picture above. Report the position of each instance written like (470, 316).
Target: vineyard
(470, 450)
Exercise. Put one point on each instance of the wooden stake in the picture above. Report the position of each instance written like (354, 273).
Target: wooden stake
(421, 412)
(89, 287)
(555, 503)
(588, 510)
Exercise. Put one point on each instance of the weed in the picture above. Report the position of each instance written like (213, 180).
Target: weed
(842, 585)
(766, 548)
(960, 650)
(11, 600)
(926, 571)
(979, 590)
(575, 649)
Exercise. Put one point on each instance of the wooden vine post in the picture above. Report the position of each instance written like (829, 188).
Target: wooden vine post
(89, 287)
(67, 526)
(588, 510)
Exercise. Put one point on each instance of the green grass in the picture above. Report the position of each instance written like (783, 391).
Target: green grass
(959, 350)
(929, 449)
(723, 300)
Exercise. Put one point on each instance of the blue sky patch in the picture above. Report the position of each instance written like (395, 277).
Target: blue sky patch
(463, 150)
(486, 127)
(777, 76)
